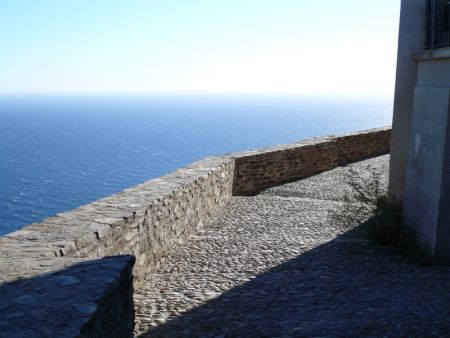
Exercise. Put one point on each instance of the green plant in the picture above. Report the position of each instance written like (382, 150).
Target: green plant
(368, 206)
(365, 196)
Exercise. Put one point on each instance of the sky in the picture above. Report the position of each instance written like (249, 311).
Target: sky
(269, 47)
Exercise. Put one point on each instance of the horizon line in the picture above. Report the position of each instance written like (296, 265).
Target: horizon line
(190, 94)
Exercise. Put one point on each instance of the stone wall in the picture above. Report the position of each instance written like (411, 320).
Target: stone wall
(361, 145)
(147, 222)
(142, 225)
(66, 297)
(260, 169)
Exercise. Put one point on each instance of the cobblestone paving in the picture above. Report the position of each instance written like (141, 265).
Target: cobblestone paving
(272, 265)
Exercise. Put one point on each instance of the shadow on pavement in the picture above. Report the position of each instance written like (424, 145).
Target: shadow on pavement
(346, 287)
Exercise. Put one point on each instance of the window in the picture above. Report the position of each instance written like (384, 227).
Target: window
(437, 24)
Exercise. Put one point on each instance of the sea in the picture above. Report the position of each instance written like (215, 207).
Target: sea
(60, 152)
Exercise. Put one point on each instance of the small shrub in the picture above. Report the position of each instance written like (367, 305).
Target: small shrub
(365, 194)
(368, 206)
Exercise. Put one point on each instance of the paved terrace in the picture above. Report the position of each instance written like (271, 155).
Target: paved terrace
(273, 265)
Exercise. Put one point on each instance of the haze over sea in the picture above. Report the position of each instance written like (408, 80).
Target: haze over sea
(57, 153)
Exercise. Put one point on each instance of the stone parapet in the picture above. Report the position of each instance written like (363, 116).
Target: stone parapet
(146, 221)
(143, 223)
(140, 226)
(365, 144)
(264, 168)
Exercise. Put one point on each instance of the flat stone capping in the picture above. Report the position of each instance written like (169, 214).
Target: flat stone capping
(54, 280)
(432, 54)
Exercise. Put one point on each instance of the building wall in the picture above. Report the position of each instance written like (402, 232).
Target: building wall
(411, 40)
(426, 201)
(419, 171)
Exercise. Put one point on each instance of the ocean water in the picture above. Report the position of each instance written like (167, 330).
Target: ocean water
(57, 153)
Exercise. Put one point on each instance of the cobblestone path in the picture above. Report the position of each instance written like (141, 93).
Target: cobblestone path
(273, 265)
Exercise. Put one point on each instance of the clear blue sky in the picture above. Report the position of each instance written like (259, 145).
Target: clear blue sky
(343, 47)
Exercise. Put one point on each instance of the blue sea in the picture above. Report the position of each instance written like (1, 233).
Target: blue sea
(57, 153)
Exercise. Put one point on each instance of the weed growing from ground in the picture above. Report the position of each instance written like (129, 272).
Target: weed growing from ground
(368, 206)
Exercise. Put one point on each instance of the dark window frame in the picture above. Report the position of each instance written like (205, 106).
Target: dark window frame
(437, 24)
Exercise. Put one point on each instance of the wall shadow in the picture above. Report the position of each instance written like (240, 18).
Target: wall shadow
(346, 287)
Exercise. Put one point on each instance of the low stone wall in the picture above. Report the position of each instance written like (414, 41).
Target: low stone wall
(142, 224)
(66, 297)
(260, 169)
(147, 221)
(361, 145)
